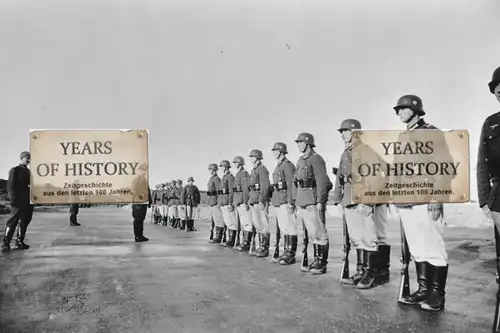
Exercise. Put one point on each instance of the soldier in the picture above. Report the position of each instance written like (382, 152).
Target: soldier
(164, 203)
(156, 203)
(213, 188)
(283, 200)
(181, 223)
(139, 212)
(73, 213)
(260, 190)
(240, 201)
(366, 224)
(168, 199)
(18, 188)
(190, 199)
(175, 195)
(225, 200)
(423, 226)
(313, 186)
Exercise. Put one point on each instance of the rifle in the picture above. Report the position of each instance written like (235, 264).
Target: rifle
(344, 271)
(304, 266)
(237, 241)
(496, 321)
(224, 233)
(404, 286)
(276, 251)
(212, 229)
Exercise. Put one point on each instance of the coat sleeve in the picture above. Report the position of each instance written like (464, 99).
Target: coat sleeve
(319, 167)
(12, 183)
(245, 182)
(265, 185)
(230, 183)
(482, 173)
(338, 187)
(183, 196)
(289, 174)
(197, 196)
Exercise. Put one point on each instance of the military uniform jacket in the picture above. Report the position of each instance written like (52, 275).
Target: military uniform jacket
(342, 189)
(283, 189)
(176, 196)
(311, 180)
(488, 163)
(259, 185)
(18, 185)
(226, 192)
(156, 196)
(164, 196)
(190, 195)
(213, 188)
(441, 150)
(241, 187)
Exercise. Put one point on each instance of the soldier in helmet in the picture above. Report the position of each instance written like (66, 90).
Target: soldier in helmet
(488, 160)
(313, 185)
(157, 203)
(367, 224)
(174, 201)
(225, 198)
(283, 200)
(181, 222)
(240, 201)
(423, 224)
(260, 188)
(213, 188)
(190, 199)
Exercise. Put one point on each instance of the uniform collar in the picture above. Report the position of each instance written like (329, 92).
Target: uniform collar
(282, 160)
(418, 124)
(306, 155)
(256, 165)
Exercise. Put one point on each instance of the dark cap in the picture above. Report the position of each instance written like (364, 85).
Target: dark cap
(25, 154)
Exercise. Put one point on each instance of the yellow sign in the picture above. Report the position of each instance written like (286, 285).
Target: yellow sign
(410, 167)
(89, 166)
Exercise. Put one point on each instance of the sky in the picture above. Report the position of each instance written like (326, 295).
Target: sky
(212, 80)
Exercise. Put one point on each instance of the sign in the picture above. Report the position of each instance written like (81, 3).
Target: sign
(410, 167)
(89, 166)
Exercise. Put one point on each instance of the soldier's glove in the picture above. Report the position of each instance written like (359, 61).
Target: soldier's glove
(149, 205)
(365, 210)
(230, 208)
(436, 211)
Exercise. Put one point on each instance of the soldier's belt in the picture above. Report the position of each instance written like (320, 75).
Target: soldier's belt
(279, 187)
(254, 187)
(224, 191)
(309, 183)
(211, 193)
(238, 189)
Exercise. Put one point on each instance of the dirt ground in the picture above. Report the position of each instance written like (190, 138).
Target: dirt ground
(94, 278)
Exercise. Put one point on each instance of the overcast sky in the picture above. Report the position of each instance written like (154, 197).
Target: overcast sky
(216, 79)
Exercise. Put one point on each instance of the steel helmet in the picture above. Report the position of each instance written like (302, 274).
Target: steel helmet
(256, 153)
(225, 163)
(179, 181)
(307, 138)
(349, 124)
(239, 160)
(174, 182)
(411, 102)
(495, 80)
(213, 166)
(281, 147)
(190, 179)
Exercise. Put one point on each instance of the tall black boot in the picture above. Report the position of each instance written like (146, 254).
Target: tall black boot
(218, 235)
(360, 268)
(290, 252)
(7, 238)
(264, 249)
(231, 240)
(315, 259)
(383, 273)
(370, 271)
(190, 225)
(183, 225)
(247, 239)
(435, 299)
(259, 235)
(424, 274)
(286, 245)
(21, 234)
(322, 262)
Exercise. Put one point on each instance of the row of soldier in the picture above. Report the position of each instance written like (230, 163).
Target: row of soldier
(298, 194)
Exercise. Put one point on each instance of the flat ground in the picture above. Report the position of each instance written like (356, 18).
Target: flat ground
(94, 278)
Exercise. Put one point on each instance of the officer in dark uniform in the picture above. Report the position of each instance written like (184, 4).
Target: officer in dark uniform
(73, 213)
(488, 160)
(190, 199)
(139, 212)
(18, 187)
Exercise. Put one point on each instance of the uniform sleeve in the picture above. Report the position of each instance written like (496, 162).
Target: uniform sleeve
(196, 195)
(319, 168)
(482, 173)
(294, 183)
(183, 196)
(338, 188)
(289, 170)
(216, 182)
(264, 185)
(11, 184)
(230, 183)
(245, 182)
